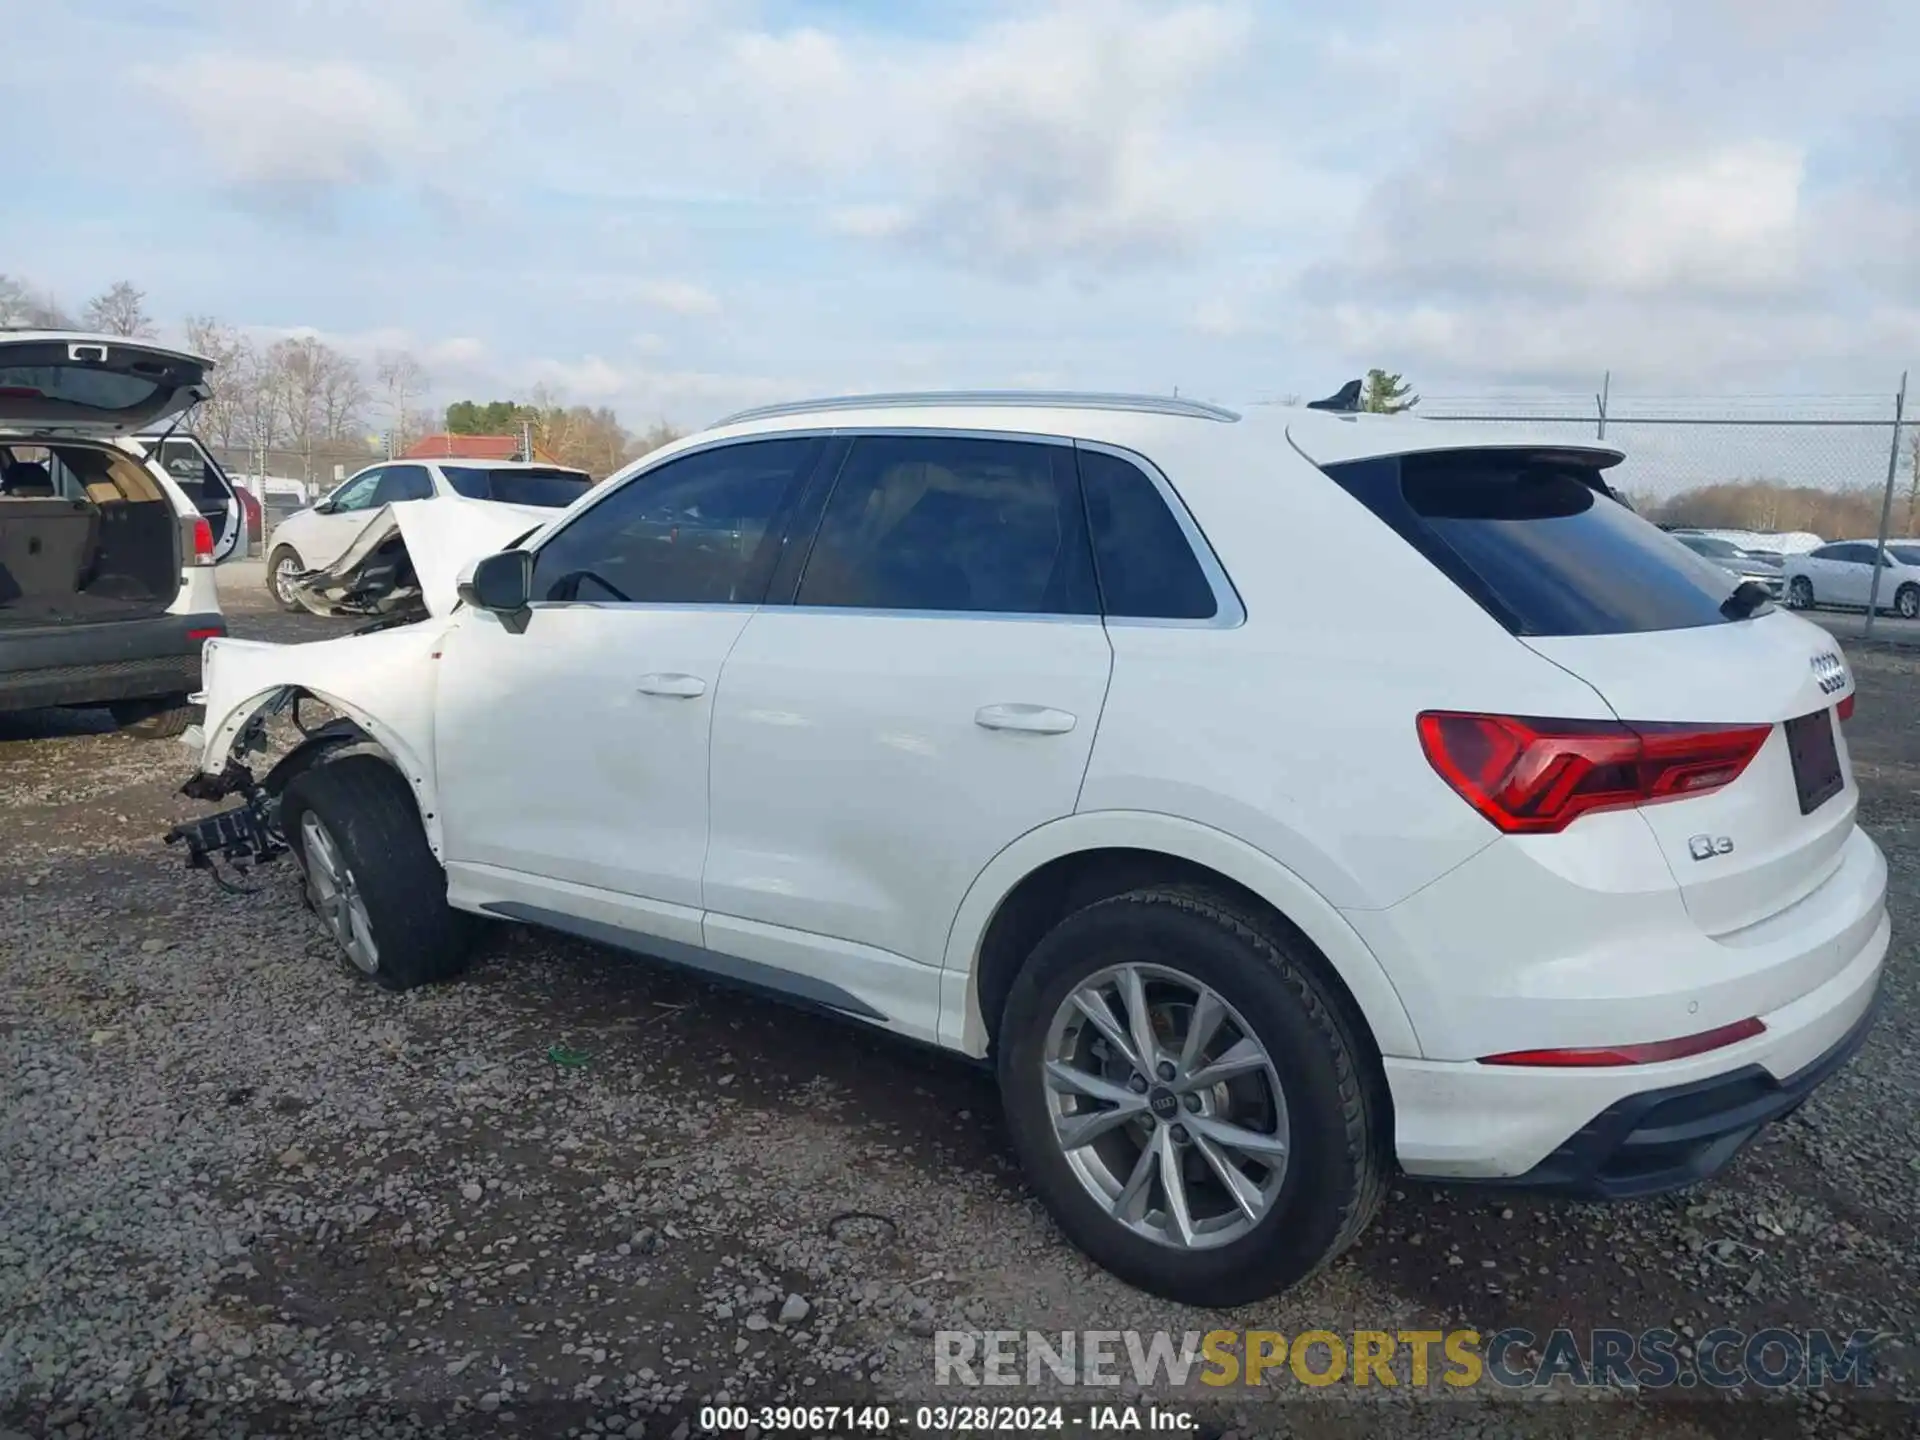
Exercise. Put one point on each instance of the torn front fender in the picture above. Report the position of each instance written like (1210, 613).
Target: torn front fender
(383, 681)
(407, 562)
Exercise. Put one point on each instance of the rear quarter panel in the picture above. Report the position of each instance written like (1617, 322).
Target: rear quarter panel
(1295, 731)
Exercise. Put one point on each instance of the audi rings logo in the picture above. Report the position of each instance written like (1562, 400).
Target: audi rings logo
(1829, 671)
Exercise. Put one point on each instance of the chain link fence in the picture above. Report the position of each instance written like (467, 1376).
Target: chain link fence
(1770, 463)
(284, 481)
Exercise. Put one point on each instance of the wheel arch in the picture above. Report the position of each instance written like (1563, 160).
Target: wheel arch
(1073, 862)
(355, 731)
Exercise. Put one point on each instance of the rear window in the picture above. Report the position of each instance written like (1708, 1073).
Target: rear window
(1539, 542)
(96, 389)
(550, 489)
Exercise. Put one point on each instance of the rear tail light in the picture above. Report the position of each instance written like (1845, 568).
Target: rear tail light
(1535, 777)
(212, 632)
(1649, 1054)
(1845, 708)
(199, 537)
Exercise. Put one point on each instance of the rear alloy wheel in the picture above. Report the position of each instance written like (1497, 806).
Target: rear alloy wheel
(282, 567)
(1906, 604)
(370, 875)
(162, 718)
(1800, 593)
(1188, 1099)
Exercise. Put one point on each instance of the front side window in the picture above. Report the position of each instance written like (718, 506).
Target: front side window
(700, 530)
(357, 494)
(948, 523)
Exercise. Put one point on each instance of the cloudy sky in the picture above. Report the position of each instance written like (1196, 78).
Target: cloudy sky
(679, 206)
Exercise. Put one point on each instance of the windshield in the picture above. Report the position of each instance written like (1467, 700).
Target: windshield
(1905, 554)
(551, 489)
(1708, 545)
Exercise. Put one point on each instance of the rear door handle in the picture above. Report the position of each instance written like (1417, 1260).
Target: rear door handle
(679, 687)
(1034, 719)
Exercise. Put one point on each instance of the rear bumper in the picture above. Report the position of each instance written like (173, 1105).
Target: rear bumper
(1632, 1129)
(113, 660)
(1661, 1140)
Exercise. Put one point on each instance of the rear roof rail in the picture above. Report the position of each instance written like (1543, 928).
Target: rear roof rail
(1037, 399)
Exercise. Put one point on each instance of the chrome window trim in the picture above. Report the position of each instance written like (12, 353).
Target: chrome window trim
(1229, 611)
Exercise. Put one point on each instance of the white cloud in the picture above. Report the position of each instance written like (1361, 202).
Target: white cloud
(1120, 192)
(288, 130)
(679, 296)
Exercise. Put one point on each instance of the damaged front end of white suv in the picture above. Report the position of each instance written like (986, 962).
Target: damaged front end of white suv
(374, 686)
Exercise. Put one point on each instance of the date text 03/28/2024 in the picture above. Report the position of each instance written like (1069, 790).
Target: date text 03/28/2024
(959, 1419)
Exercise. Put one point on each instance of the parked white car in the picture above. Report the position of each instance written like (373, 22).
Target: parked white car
(317, 538)
(991, 722)
(106, 559)
(1840, 575)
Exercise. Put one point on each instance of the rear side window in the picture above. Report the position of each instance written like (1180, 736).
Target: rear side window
(404, 482)
(548, 489)
(941, 523)
(1147, 568)
(1533, 539)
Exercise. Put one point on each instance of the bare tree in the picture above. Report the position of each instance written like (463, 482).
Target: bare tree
(342, 399)
(120, 309)
(403, 382)
(21, 304)
(317, 395)
(223, 419)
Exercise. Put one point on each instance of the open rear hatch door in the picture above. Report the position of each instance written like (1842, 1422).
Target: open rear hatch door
(202, 479)
(55, 383)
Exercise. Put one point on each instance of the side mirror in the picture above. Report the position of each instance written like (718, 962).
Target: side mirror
(501, 583)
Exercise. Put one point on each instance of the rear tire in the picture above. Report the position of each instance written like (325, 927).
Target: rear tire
(1207, 1246)
(284, 563)
(1800, 593)
(370, 875)
(163, 718)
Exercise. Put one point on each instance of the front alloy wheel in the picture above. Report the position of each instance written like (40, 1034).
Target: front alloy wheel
(1166, 1106)
(336, 895)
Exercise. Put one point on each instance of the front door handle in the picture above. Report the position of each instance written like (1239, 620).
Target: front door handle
(679, 687)
(1033, 719)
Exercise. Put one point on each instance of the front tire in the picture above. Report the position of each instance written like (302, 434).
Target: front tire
(1800, 593)
(282, 566)
(1906, 604)
(1240, 1156)
(163, 718)
(370, 875)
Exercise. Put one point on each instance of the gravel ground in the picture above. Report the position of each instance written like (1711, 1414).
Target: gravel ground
(244, 1191)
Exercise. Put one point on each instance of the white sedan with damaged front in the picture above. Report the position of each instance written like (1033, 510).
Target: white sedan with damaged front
(989, 721)
(353, 552)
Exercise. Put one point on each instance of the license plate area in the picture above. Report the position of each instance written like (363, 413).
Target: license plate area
(1816, 759)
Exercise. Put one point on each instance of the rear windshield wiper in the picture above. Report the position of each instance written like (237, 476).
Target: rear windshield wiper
(1745, 601)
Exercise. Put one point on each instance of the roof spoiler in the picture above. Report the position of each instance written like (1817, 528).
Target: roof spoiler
(1346, 399)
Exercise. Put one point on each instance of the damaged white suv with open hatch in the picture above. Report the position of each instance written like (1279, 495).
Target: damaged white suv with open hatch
(995, 721)
(107, 592)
